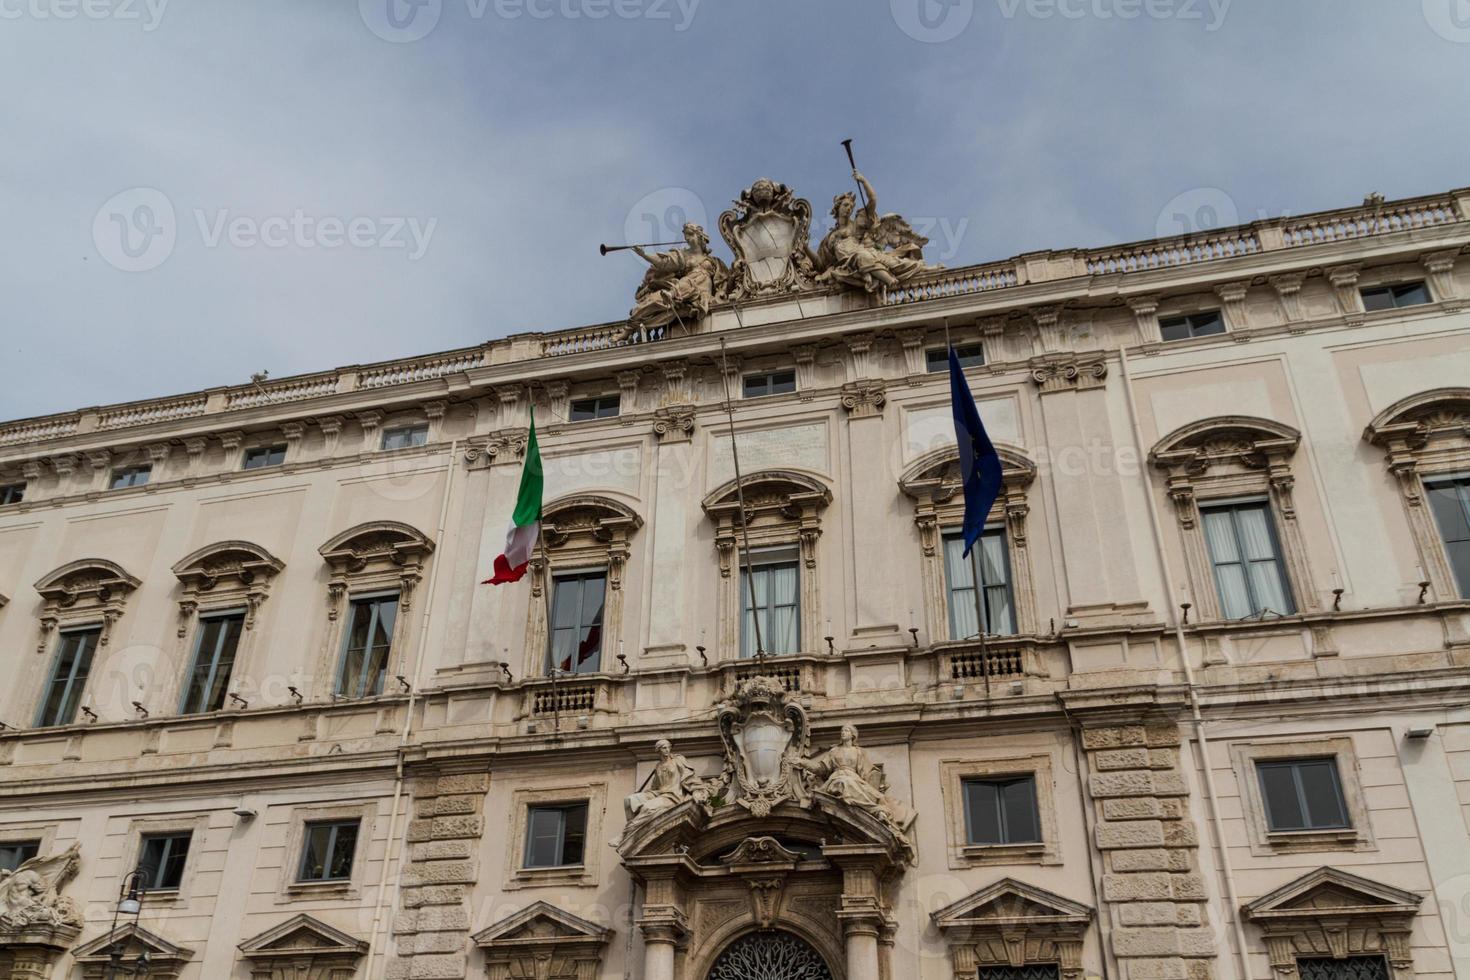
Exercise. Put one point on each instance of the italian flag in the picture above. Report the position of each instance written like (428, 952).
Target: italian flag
(525, 521)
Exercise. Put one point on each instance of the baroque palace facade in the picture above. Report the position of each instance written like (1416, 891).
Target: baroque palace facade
(262, 721)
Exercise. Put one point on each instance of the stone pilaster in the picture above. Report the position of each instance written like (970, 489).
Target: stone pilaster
(432, 927)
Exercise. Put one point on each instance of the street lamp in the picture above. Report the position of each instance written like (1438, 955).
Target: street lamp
(129, 902)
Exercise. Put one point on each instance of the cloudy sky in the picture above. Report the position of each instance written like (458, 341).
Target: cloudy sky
(198, 189)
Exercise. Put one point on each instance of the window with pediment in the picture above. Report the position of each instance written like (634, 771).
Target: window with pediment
(1231, 482)
(1426, 439)
(587, 544)
(223, 585)
(1002, 556)
(1014, 931)
(375, 568)
(781, 523)
(84, 593)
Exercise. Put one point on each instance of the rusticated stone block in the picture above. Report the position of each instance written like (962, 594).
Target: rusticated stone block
(1201, 969)
(1188, 915)
(1196, 942)
(1112, 738)
(1143, 860)
(1151, 941)
(1149, 913)
(442, 966)
(1132, 808)
(442, 850)
(455, 805)
(443, 918)
(1163, 759)
(1169, 784)
(420, 830)
(464, 782)
(1171, 968)
(1131, 833)
(431, 942)
(1189, 887)
(1144, 887)
(449, 828)
(434, 895)
(439, 873)
(1161, 735)
(1111, 759)
(1133, 783)
(1173, 809)
(1180, 833)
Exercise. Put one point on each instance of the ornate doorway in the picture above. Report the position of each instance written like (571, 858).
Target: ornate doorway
(769, 954)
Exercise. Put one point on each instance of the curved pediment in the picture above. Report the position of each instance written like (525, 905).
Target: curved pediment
(1420, 417)
(95, 578)
(392, 540)
(936, 474)
(1225, 439)
(601, 518)
(769, 489)
(227, 559)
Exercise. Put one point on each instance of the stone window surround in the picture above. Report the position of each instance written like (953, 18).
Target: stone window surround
(785, 509)
(963, 854)
(1424, 436)
(288, 889)
(583, 532)
(1228, 458)
(1265, 842)
(584, 875)
(1049, 930)
(374, 422)
(197, 826)
(931, 482)
(371, 558)
(85, 592)
(44, 833)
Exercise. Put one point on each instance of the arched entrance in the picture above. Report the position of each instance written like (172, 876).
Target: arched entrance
(770, 954)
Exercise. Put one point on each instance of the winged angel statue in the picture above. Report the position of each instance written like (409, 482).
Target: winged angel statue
(867, 250)
(679, 285)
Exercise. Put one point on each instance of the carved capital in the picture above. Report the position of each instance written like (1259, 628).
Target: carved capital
(1048, 321)
(331, 428)
(674, 423)
(1288, 286)
(1069, 372)
(1146, 316)
(1440, 267)
(1232, 295)
(864, 399)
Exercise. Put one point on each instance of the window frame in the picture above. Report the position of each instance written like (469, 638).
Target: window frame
(970, 355)
(1460, 483)
(414, 428)
(777, 556)
(1039, 766)
(345, 642)
(562, 810)
(19, 844)
(1265, 842)
(1002, 815)
(1294, 766)
(289, 889)
(599, 407)
(1008, 586)
(130, 474)
(560, 577)
(270, 450)
(200, 629)
(585, 875)
(1188, 321)
(1394, 291)
(334, 826)
(169, 838)
(1232, 506)
(769, 379)
(12, 493)
(97, 630)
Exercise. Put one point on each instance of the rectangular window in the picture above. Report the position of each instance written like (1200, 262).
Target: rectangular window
(130, 476)
(1248, 573)
(161, 860)
(215, 643)
(365, 645)
(14, 853)
(1002, 811)
(602, 407)
(770, 383)
(262, 456)
(1450, 501)
(555, 835)
(936, 359)
(1192, 325)
(776, 575)
(1347, 968)
(12, 493)
(990, 555)
(576, 615)
(1031, 971)
(1302, 794)
(1394, 297)
(327, 849)
(74, 651)
(405, 436)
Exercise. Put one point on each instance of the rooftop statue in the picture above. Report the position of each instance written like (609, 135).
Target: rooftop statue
(768, 231)
(680, 284)
(31, 895)
(866, 250)
(848, 773)
(672, 781)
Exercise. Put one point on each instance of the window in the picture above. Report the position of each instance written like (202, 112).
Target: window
(555, 835)
(576, 615)
(989, 554)
(1450, 501)
(769, 383)
(1243, 549)
(365, 645)
(405, 436)
(327, 849)
(602, 407)
(130, 476)
(936, 359)
(215, 644)
(161, 860)
(1302, 794)
(12, 493)
(16, 852)
(1347, 968)
(1192, 325)
(1001, 811)
(263, 456)
(1394, 297)
(776, 576)
(74, 650)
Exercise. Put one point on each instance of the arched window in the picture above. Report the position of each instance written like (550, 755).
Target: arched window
(1426, 438)
(81, 600)
(1231, 483)
(223, 586)
(782, 521)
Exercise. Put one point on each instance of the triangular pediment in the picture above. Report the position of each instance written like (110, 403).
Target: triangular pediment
(540, 923)
(1330, 891)
(302, 934)
(1009, 903)
(134, 939)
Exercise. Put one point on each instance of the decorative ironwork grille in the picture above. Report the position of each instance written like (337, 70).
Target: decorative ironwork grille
(1349, 968)
(770, 954)
(1031, 971)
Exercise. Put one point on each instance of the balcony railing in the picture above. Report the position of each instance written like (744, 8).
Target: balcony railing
(1172, 252)
(1316, 229)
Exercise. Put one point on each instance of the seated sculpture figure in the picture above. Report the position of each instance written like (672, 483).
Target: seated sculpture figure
(680, 284)
(869, 251)
(672, 782)
(848, 773)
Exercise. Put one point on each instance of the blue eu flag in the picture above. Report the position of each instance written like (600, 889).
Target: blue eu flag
(979, 462)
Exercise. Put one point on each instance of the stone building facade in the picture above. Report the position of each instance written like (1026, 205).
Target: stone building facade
(1217, 727)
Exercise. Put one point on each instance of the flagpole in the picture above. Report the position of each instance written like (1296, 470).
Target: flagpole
(975, 571)
(552, 664)
(755, 618)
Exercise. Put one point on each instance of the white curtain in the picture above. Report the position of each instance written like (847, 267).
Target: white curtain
(1235, 599)
(1260, 552)
(777, 605)
(993, 569)
(960, 575)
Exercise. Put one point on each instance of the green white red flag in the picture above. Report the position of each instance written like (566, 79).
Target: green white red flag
(525, 520)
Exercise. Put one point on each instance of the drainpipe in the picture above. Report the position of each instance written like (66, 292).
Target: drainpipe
(393, 856)
(1201, 737)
